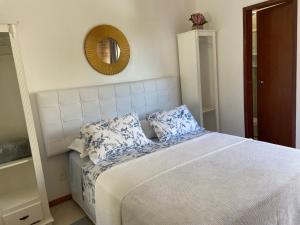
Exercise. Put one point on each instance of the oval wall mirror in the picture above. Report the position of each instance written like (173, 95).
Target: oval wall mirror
(107, 49)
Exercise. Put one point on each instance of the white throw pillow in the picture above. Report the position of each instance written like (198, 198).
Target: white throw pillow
(112, 138)
(173, 123)
(78, 145)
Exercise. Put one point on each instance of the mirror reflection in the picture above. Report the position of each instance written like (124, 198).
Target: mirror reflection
(108, 51)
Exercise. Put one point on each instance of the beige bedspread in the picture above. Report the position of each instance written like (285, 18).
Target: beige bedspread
(216, 179)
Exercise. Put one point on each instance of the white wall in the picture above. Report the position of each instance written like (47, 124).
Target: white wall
(52, 35)
(12, 120)
(227, 19)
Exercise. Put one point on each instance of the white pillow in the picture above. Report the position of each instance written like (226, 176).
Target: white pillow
(78, 145)
(148, 130)
(114, 137)
(173, 123)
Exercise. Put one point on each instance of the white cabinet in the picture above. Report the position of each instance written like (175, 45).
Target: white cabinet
(199, 76)
(23, 197)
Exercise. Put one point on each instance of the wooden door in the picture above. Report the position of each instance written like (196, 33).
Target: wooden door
(276, 72)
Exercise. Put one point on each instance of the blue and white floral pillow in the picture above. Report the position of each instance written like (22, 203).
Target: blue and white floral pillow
(173, 123)
(106, 139)
(88, 130)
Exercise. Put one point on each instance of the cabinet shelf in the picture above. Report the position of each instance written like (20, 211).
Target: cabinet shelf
(16, 198)
(15, 163)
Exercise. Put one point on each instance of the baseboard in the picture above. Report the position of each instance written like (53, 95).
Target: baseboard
(60, 200)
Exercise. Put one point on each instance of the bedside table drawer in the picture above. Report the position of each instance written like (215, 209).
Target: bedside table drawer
(25, 216)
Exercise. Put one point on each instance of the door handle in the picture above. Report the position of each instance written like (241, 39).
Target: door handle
(261, 82)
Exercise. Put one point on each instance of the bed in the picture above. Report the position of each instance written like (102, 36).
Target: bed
(84, 173)
(203, 178)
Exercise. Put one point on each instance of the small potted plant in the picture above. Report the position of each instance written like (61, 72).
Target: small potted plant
(198, 20)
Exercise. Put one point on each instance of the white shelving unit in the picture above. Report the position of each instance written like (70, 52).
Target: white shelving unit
(199, 76)
(23, 197)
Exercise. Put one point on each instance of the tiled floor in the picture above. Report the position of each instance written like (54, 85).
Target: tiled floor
(66, 213)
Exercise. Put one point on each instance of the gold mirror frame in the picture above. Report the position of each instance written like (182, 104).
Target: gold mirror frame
(92, 39)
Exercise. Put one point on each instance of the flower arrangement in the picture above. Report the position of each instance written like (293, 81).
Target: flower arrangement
(198, 20)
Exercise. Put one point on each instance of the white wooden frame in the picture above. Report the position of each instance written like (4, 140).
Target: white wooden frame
(11, 29)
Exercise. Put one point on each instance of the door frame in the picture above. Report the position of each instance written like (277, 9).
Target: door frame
(248, 93)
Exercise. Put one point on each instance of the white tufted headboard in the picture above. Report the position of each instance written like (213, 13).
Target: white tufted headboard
(62, 112)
